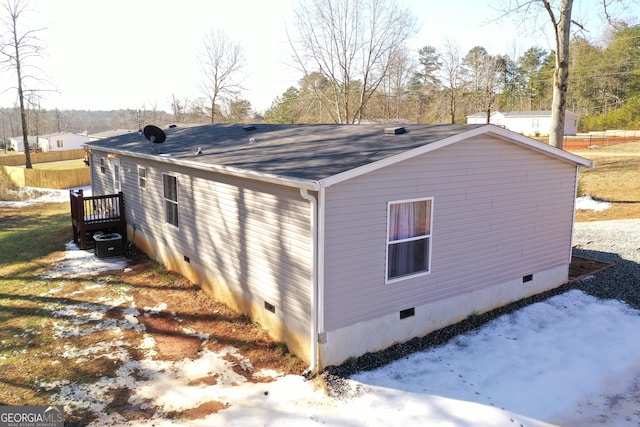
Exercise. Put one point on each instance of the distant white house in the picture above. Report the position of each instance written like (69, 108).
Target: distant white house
(16, 143)
(62, 141)
(531, 123)
(52, 142)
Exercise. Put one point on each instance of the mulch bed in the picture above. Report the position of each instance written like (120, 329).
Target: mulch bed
(583, 267)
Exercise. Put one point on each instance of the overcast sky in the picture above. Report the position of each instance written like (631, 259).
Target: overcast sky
(133, 53)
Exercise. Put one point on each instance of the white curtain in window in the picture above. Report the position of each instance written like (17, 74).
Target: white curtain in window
(409, 219)
(401, 215)
(408, 253)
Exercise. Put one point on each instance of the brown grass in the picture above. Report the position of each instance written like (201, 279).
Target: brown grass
(30, 353)
(615, 178)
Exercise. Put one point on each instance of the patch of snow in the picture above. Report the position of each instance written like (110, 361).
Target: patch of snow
(155, 310)
(78, 262)
(48, 195)
(587, 203)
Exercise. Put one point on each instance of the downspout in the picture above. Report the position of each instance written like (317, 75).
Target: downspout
(573, 214)
(314, 280)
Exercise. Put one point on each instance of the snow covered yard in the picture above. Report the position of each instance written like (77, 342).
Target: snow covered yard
(571, 360)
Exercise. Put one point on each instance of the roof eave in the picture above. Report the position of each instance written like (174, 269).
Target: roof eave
(541, 147)
(221, 169)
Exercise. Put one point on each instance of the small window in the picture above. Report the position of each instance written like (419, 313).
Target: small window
(170, 192)
(60, 143)
(408, 238)
(102, 169)
(117, 183)
(142, 177)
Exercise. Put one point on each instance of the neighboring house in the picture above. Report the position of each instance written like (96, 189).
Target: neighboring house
(531, 123)
(345, 239)
(16, 143)
(53, 142)
(62, 141)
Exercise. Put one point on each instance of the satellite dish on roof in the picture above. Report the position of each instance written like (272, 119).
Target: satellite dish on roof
(154, 134)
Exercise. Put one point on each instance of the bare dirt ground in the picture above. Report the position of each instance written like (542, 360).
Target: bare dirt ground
(160, 321)
(189, 308)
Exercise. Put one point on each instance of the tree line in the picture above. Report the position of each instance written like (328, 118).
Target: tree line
(356, 68)
(445, 86)
(437, 86)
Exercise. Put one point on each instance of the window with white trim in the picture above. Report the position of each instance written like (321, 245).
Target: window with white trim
(142, 177)
(408, 238)
(102, 168)
(117, 183)
(170, 194)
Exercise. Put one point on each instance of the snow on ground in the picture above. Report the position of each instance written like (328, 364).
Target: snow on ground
(48, 195)
(570, 360)
(76, 262)
(587, 203)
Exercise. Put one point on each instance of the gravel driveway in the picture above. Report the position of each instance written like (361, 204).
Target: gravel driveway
(617, 242)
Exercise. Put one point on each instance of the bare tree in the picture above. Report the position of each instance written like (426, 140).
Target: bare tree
(221, 61)
(451, 69)
(178, 108)
(484, 74)
(351, 44)
(560, 17)
(18, 47)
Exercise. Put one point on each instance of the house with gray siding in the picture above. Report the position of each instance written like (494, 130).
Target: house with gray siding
(345, 239)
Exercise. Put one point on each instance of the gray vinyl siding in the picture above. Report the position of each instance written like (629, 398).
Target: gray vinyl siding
(251, 236)
(500, 212)
(101, 183)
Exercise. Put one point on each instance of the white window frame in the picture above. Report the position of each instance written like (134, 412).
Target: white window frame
(142, 177)
(117, 176)
(168, 202)
(428, 237)
(102, 165)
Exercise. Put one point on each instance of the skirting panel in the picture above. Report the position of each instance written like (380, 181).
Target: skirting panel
(410, 322)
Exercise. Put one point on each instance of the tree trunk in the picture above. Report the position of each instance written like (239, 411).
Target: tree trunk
(23, 113)
(561, 75)
(25, 132)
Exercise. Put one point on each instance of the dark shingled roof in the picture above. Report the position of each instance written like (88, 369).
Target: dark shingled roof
(309, 152)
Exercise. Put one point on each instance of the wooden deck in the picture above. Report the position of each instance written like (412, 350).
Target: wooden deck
(96, 213)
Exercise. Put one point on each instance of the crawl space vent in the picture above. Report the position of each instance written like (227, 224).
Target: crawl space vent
(270, 307)
(407, 313)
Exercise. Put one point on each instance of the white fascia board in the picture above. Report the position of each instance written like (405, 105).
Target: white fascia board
(540, 146)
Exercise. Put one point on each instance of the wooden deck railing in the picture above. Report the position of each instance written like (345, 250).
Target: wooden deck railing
(96, 213)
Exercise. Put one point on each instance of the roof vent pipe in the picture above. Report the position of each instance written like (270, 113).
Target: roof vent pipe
(395, 131)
